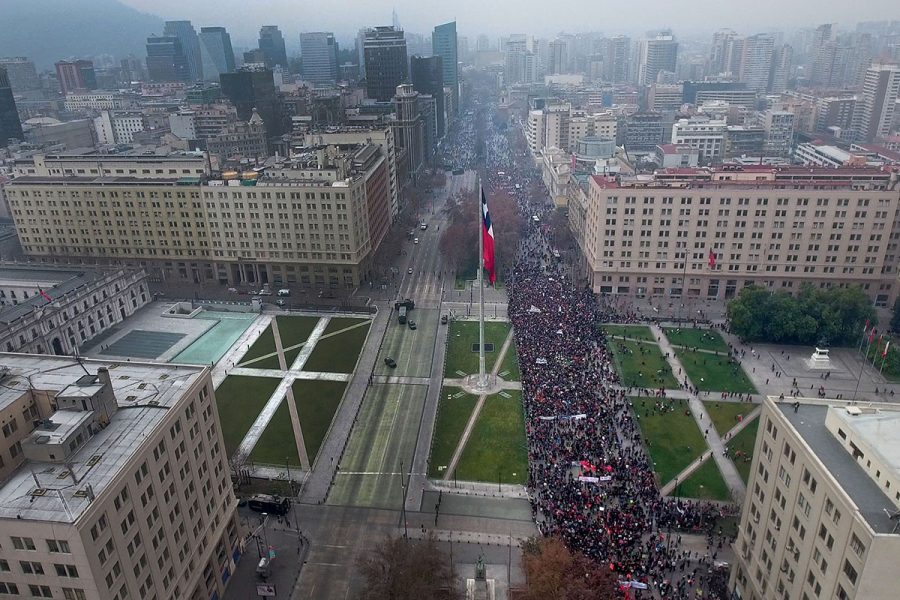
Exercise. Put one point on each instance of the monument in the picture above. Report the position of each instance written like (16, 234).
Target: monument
(819, 360)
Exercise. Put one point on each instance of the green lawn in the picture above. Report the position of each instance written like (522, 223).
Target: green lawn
(277, 445)
(640, 332)
(672, 438)
(724, 415)
(642, 365)
(452, 416)
(740, 448)
(496, 448)
(459, 346)
(264, 344)
(705, 339)
(239, 400)
(338, 353)
(714, 373)
(510, 364)
(705, 483)
(294, 330)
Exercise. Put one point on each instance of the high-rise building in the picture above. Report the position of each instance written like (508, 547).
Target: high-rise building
(271, 42)
(386, 62)
(216, 54)
(615, 59)
(254, 88)
(409, 132)
(657, 54)
(141, 448)
(782, 60)
(190, 46)
(779, 127)
(874, 114)
(756, 61)
(166, 60)
(702, 133)
(10, 125)
(75, 75)
(820, 515)
(444, 44)
(428, 78)
(319, 53)
(718, 62)
(558, 57)
(22, 75)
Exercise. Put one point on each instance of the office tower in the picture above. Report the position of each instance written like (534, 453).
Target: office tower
(820, 515)
(779, 128)
(717, 53)
(166, 60)
(782, 59)
(657, 54)
(386, 62)
(21, 72)
(216, 54)
(75, 75)
(132, 68)
(271, 42)
(756, 62)
(444, 44)
(875, 107)
(409, 130)
(190, 46)
(428, 78)
(482, 43)
(254, 88)
(146, 470)
(10, 126)
(319, 51)
(558, 58)
(618, 51)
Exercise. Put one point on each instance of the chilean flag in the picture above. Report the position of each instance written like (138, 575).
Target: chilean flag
(488, 239)
(45, 295)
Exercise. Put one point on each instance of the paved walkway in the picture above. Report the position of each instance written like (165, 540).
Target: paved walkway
(237, 350)
(729, 472)
(299, 440)
(500, 383)
(317, 484)
(451, 467)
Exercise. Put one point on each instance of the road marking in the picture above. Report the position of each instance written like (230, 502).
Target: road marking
(334, 546)
(373, 473)
(321, 564)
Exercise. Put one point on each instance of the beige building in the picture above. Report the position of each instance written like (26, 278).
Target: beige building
(779, 227)
(94, 164)
(122, 488)
(820, 519)
(315, 221)
(561, 126)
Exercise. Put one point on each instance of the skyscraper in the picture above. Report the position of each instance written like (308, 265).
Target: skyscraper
(318, 51)
(385, 62)
(444, 44)
(190, 46)
(782, 59)
(271, 42)
(409, 129)
(254, 88)
(756, 61)
(559, 57)
(21, 72)
(10, 126)
(428, 78)
(615, 58)
(216, 53)
(875, 107)
(75, 75)
(657, 54)
(166, 60)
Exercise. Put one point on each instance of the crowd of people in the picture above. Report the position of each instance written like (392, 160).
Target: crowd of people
(590, 480)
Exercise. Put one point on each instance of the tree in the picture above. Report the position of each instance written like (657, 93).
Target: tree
(895, 319)
(559, 229)
(401, 569)
(556, 573)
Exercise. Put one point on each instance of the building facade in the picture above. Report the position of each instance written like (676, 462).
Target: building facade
(144, 507)
(75, 76)
(319, 51)
(819, 519)
(216, 53)
(444, 44)
(166, 60)
(657, 54)
(10, 125)
(873, 116)
(23, 76)
(271, 43)
(706, 135)
(185, 33)
(778, 227)
(386, 62)
(250, 89)
(428, 78)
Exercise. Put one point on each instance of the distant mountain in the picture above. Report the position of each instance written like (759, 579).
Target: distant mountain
(48, 30)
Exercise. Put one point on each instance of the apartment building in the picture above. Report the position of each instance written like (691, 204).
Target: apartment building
(778, 227)
(316, 220)
(55, 309)
(820, 519)
(561, 126)
(115, 484)
(94, 164)
(705, 135)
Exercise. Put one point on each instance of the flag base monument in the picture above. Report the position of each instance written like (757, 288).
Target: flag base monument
(481, 383)
(819, 360)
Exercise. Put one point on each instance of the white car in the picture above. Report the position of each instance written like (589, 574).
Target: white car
(415, 240)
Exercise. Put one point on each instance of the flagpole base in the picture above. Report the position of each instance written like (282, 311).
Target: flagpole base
(481, 385)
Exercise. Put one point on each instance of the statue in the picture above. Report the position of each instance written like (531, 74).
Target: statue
(479, 569)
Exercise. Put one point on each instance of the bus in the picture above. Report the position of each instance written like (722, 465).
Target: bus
(274, 505)
(401, 315)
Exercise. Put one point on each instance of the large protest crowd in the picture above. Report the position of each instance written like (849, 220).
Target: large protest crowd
(590, 480)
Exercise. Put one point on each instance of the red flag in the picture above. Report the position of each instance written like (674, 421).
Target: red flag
(45, 295)
(488, 239)
(866, 327)
(712, 259)
(872, 335)
(886, 346)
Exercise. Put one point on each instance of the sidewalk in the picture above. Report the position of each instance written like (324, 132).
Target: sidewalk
(729, 472)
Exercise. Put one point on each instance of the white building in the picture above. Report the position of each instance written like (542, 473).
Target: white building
(115, 127)
(97, 100)
(706, 135)
(779, 126)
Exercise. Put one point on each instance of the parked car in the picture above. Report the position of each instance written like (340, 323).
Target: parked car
(280, 302)
(273, 505)
(415, 240)
(443, 319)
(409, 270)
(412, 324)
(390, 362)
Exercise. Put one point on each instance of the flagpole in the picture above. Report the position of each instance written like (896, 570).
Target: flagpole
(482, 382)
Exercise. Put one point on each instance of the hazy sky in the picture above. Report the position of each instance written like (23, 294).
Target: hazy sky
(494, 17)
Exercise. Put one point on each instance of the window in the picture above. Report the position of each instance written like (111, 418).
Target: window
(66, 570)
(9, 588)
(73, 594)
(23, 543)
(856, 545)
(40, 591)
(58, 547)
(850, 572)
(31, 568)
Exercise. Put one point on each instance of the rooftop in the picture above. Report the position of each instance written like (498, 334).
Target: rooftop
(47, 491)
(873, 504)
(55, 281)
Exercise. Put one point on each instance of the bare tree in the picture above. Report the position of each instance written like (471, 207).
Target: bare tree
(556, 573)
(400, 569)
